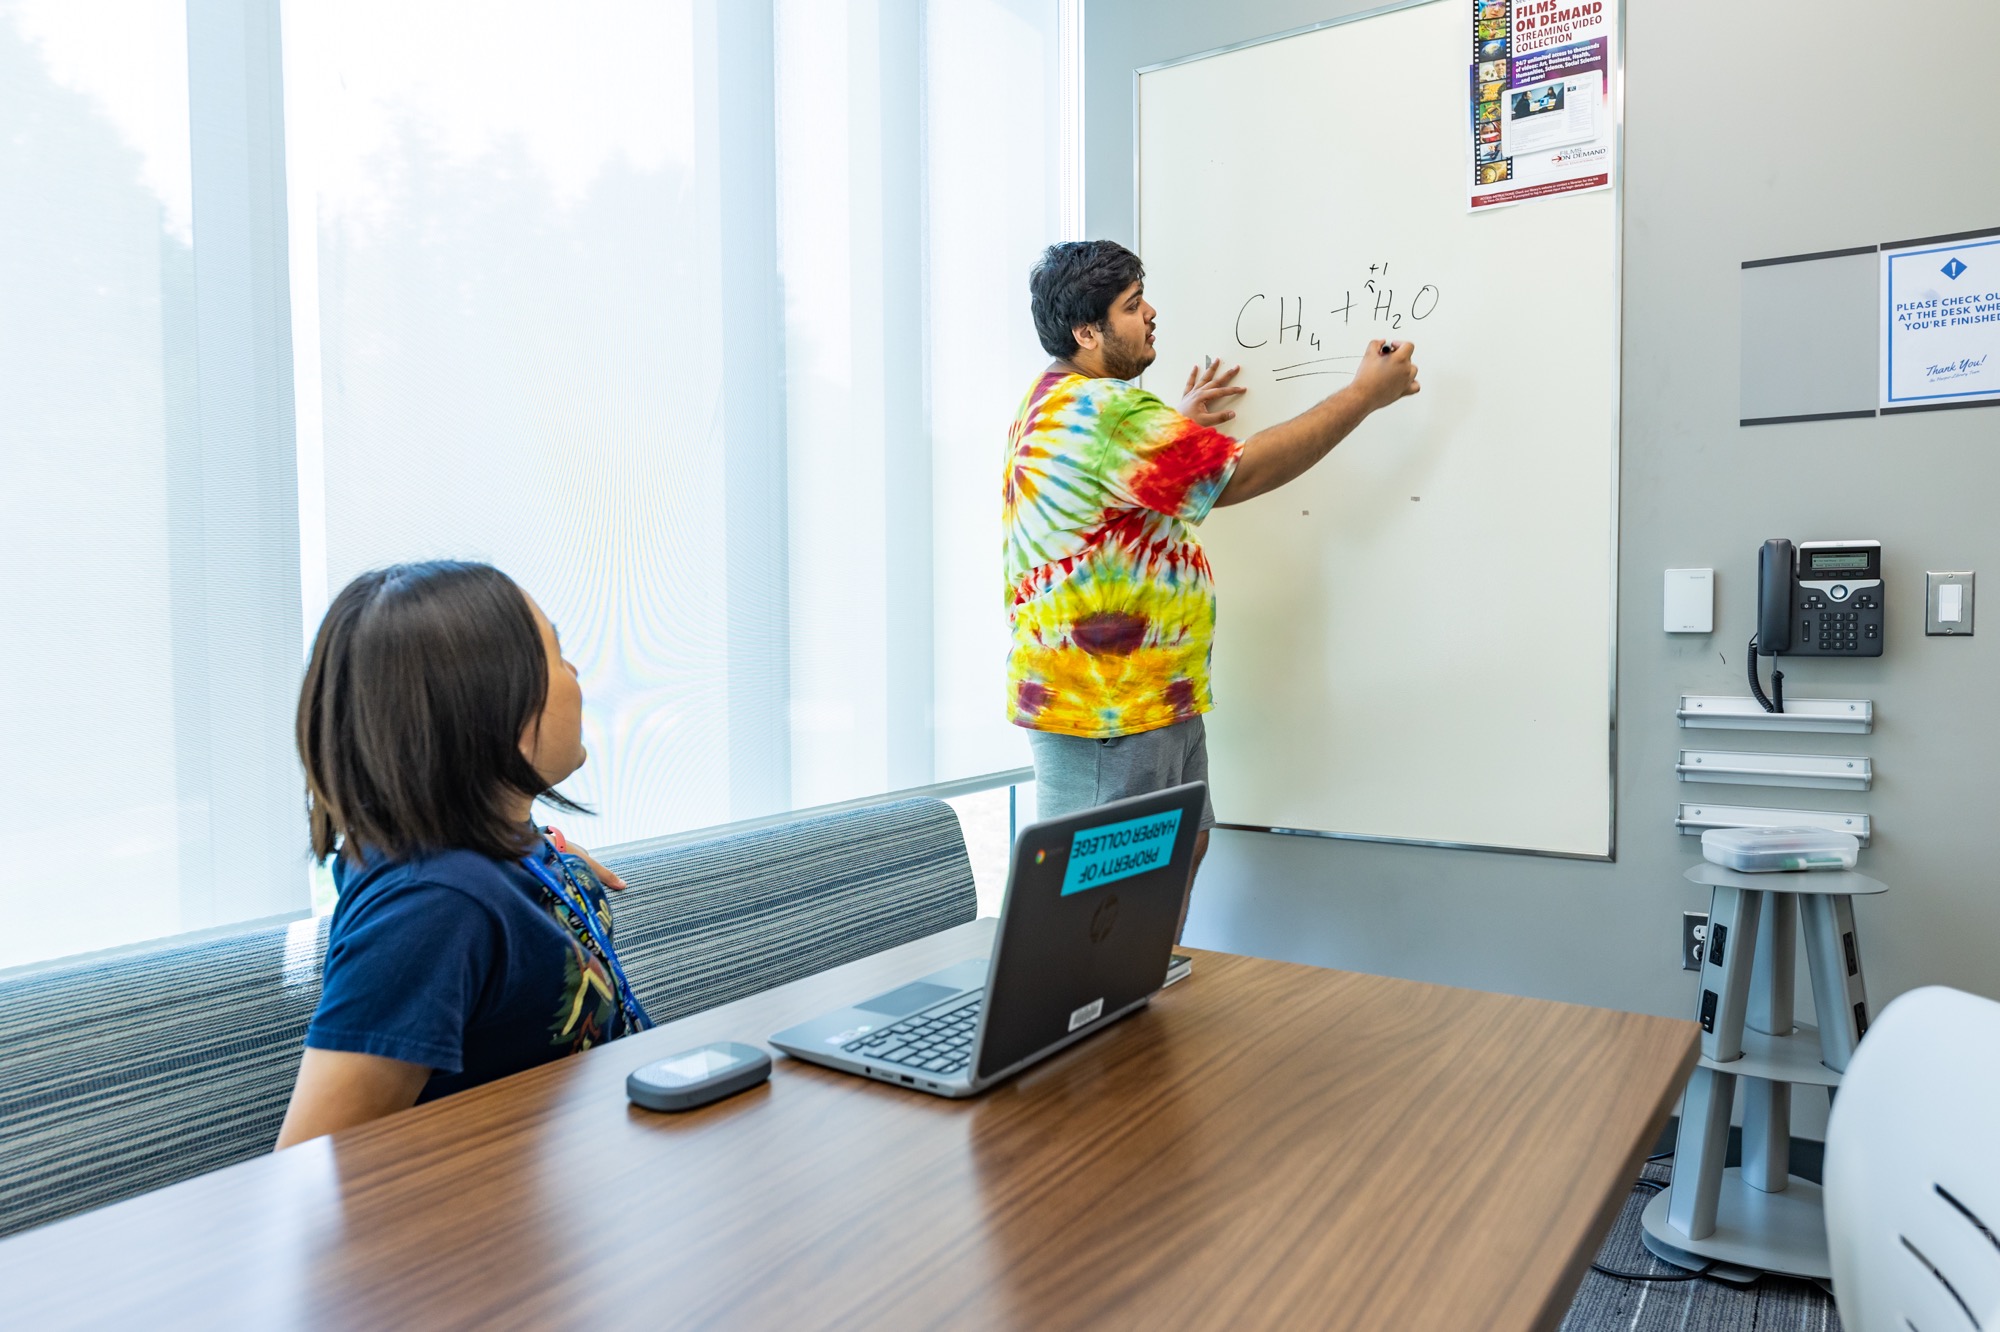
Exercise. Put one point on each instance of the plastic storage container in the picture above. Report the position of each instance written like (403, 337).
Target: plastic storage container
(1768, 850)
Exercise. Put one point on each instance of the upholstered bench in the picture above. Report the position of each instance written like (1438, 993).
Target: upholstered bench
(132, 1071)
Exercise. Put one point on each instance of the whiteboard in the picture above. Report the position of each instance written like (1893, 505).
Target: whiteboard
(1415, 640)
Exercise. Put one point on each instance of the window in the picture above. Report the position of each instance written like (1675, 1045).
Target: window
(702, 319)
(991, 819)
(96, 428)
(149, 515)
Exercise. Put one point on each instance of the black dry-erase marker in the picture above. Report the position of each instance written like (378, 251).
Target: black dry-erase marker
(1388, 347)
(696, 1077)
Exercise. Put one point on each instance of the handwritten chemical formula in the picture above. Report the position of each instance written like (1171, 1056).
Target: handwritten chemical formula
(1277, 321)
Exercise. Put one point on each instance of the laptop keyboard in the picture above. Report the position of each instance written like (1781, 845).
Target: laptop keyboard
(934, 1041)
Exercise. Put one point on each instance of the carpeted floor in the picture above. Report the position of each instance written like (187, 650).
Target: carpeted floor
(1604, 1303)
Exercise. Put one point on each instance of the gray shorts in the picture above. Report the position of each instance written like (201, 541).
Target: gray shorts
(1072, 773)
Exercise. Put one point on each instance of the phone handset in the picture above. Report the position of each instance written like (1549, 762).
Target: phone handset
(1776, 565)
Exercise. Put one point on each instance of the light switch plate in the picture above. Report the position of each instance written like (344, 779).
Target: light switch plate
(1690, 601)
(1948, 604)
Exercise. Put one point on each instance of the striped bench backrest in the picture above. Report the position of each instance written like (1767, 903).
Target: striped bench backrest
(703, 923)
(131, 1072)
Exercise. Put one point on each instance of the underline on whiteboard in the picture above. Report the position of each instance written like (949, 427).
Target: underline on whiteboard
(1303, 374)
(1279, 370)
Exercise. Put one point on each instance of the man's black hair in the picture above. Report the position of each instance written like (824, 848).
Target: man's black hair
(1074, 283)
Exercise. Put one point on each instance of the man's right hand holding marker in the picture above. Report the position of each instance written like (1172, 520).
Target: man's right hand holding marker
(1284, 452)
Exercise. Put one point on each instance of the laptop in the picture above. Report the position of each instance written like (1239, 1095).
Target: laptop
(1086, 931)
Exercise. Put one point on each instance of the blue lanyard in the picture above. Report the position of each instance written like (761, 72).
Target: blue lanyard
(635, 1016)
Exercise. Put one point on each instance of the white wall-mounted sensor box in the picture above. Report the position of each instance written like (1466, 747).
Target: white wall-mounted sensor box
(1690, 601)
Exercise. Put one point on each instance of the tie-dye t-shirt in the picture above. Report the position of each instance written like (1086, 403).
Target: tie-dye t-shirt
(1108, 593)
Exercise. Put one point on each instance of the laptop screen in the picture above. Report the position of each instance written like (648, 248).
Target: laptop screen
(1088, 921)
(1113, 851)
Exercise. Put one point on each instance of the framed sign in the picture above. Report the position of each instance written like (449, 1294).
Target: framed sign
(1941, 323)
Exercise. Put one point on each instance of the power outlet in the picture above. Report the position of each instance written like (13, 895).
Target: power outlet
(1694, 938)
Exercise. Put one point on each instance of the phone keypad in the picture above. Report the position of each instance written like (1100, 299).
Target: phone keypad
(1839, 631)
(1851, 624)
(1833, 621)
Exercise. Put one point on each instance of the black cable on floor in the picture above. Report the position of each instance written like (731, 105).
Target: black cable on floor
(1655, 1186)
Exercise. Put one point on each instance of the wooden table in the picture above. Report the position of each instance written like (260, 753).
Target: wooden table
(1267, 1145)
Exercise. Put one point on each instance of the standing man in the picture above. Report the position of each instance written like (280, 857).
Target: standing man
(1108, 593)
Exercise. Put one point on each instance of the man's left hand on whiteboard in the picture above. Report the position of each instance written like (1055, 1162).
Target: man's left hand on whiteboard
(1208, 389)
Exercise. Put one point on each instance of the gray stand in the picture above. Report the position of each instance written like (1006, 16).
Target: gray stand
(1759, 1216)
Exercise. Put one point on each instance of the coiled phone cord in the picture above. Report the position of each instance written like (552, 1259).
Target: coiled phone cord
(1776, 701)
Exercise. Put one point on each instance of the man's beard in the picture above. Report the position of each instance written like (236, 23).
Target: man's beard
(1130, 360)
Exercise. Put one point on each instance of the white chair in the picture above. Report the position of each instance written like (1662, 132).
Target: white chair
(1913, 1169)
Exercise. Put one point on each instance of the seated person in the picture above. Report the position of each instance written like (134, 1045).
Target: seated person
(466, 945)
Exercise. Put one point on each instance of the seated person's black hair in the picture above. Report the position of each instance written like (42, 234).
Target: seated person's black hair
(422, 680)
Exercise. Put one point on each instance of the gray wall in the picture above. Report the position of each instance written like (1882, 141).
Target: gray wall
(1733, 151)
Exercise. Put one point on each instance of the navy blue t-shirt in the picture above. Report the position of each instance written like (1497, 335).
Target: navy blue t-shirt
(456, 961)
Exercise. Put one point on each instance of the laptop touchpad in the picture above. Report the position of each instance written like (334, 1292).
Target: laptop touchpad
(908, 999)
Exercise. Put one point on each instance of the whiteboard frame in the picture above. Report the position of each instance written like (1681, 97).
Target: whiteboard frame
(1617, 409)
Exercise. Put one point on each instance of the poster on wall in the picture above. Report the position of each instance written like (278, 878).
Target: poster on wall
(1941, 323)
(1542, 118)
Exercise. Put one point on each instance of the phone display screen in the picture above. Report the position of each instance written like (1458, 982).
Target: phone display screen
(1822, 565)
